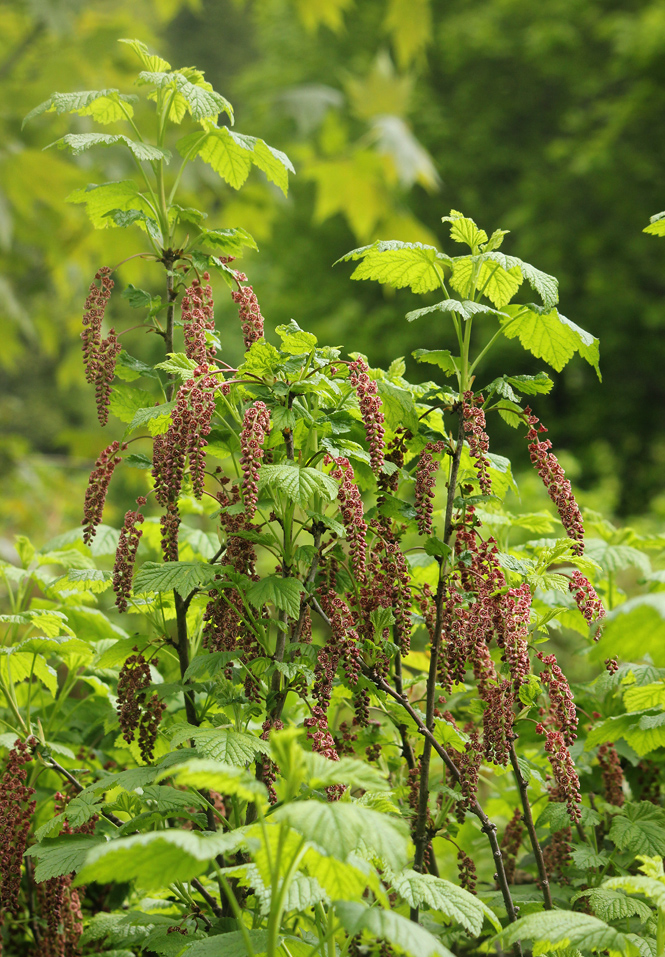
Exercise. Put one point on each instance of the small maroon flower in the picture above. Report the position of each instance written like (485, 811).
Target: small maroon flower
(248, 310)
(370, 410)
(426, 471)
(563, 768)
(16, 810)
(98, 486)
(473, 419)
(561, 698)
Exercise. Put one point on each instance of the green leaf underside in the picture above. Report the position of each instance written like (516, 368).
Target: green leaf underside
(232, 155)
(101, 200)
(298, 484)
(466, 309)
(399, 264)
(222, 744)
(550, 336)
(79, 142)
(102, 105)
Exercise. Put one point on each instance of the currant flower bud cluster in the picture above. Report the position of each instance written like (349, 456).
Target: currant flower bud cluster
(586, 598)
(425, 481)
(98, 486)
(255, 428)
(562, 704)
(197, 319)
(248, 310)
(466, 871)
(353, 516)
(473, 419)
(125, 556)
(344, 637)
(610, 766)
(554, 479)
(136, 712)
(371, 411)
(99, 355)
(563, 768)
(16, 811)
(511, 843)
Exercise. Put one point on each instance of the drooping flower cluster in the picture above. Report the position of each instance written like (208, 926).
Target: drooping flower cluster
(16, 811)
(248, 310)
(426, 471)
(513, 611)
(125, 556)
(137, 712)
(98, 486)
(351, 508)
(370, 410)
(586, 598)
(511, 843)
(554, 479)
(563, 767)
(197, 319)
(344, 642)
(468, 764)
(387, 585)
(268, 768)
(255, 428)
(466, 871)
(610, 766)
(99, 355)
(563, 711)
(473, 419)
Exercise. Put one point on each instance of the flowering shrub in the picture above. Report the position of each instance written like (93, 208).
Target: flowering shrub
(351, 741)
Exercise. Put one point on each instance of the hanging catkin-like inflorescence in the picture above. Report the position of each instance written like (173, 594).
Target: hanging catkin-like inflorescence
(554, 479)
(425, 481)
(563, 767)
(562, 711)
(371, 411)
(125, 556)
(610, 766)
(197, 319)
(473, 419)
(255, 428)
(511, 843)
(137, 711)
(352, 512)
(98, 486)
(248, 310)
(99, 355)
(16, 810)
(586, 599)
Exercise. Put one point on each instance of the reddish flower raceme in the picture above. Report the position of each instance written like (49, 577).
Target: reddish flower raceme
(351, 507)
(137, 711)
(98, 486)
(255, 428)
(99, 355)
(610, 766)
(16, 809)
(125, 556)
(370, 409)
(473, 419)
(426, 471)
(563, 711)
(586, 598)
(248, 310)
(563, 768)
(197, 319)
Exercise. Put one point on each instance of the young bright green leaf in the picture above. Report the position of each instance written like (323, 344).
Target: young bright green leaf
(178, 364)
(614, 905)
(656, 225)
(61, 855)
(298, 484)
(222, 744)
(184, 577)
(530, 384)
(156, 859)
(229, 242)
(644, 697)
(651, 887)
(614, 558)
(408, 937)
(224, 778)
(399, 407)
(559, 929)
(295, 340)
(201, 100)
(464, 230)
(400, 264)
(229, 945)
(103, 105)
(83, 579)
(157, 419)
(640, 828)
(78, 142)
(16, 666)
(546, 286)
(342, 828)
(465, 309)
(100, 200)
(340, 879)
(149, 61)
(550, 336)
(232, 155)
(479, 273)
(126, 401)
(284, 593)
(456, 904)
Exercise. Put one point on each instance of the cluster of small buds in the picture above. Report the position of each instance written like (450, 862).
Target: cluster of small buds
(98, 486)
(466, 871)
(413, 785)
(16, 811)
(125, 556)
(323, 743)
(344, 637)
(99, 355)
(468, 765)
(135, 710)
(255, 428)
(197, 319)
(169, 524)
(557, 855)
(612, 665)
(586, 598)
(511, 843)
(60, 905)
(512, 628)
(361, 702)
(425, 481)
(563, 768)
(351, 508)
(344, 740)
(561, 698)
(473, 419)
(248, 310)
(498, 722)
(610, 766)
(554, 479)
(370, 410)
(395, 453)
(269, 769)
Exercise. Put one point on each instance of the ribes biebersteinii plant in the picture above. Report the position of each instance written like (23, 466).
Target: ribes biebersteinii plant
(349, 642)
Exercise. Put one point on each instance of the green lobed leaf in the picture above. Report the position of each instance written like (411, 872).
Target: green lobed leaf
(442, 358)
(126, 401)
(546, 286)
(550, 336)
(61, 855)
(651, 887)
(202, 101)
(408, 937)
(103, 105)
(200, 773)
(399, 264)
(635, 629)
(284, 593)
(222, 744)
(357, 774)
(464, 230)
(299, 484)
(157, 419)
(230, 242)
(183, 577)
(640, 828)
(232, 155)
(149, 61)
(79, 142)
(230, 945)
(156, 859)
(455, 903)
(614, 905)
(465, 309)
(100, 200)
(559, 929)
(478, 274)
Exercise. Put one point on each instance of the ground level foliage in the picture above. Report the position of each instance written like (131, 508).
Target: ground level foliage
(326, 715)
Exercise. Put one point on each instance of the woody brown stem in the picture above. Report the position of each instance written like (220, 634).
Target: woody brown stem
(183, 656)
(527, 817)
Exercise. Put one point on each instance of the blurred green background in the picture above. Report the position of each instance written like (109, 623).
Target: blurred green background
(541, 118)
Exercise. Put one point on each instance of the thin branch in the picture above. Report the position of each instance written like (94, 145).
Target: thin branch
(527, 817)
